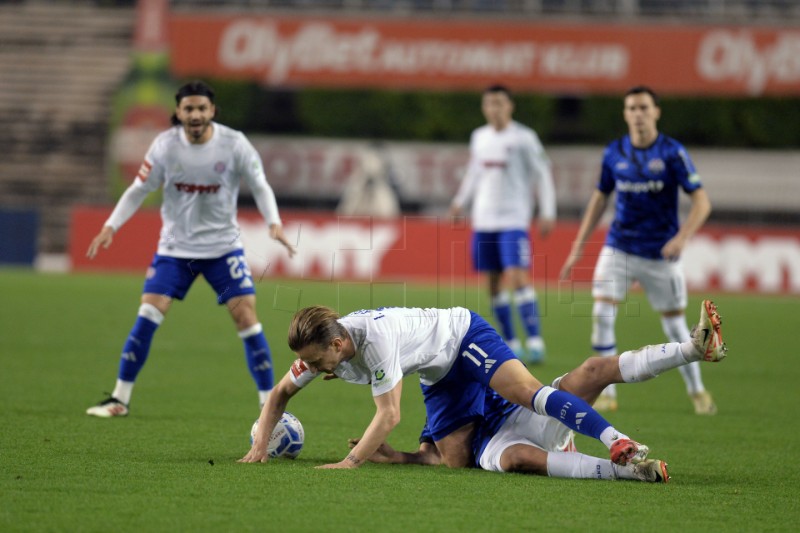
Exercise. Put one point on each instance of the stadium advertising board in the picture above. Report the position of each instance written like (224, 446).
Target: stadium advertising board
(401, 53)
(361, 249)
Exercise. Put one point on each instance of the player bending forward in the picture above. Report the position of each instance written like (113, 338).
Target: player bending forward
(510, 439)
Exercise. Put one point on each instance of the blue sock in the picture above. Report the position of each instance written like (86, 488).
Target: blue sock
(137, 347)
(528, 308)
(569, 410)
(502, 311)
(259, 357)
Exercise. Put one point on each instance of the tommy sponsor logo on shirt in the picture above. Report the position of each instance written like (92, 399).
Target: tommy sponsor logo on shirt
(494, 164)
(201, 189)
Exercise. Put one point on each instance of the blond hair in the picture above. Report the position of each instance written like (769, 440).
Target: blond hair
(315, 325)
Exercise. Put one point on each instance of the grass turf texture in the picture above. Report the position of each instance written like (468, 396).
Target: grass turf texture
(171, 465)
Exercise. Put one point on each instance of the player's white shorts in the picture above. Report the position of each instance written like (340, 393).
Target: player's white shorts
(663, 281)
(525, 427)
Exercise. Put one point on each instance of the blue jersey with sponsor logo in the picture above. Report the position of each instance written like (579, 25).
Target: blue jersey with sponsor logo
(646, 181)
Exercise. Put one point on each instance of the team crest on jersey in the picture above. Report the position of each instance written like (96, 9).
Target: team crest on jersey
(622, 165)
(144, 170)
(219, 167)
(656, 166)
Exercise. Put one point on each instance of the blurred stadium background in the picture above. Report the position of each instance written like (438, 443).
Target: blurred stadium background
(317, 84)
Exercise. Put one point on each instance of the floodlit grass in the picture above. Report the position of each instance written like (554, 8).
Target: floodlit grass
(171, 465)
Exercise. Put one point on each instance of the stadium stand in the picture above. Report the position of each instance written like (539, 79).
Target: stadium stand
(60, 64)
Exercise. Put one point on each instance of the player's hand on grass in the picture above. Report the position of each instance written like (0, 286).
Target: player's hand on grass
(384, 453)
(257, 454)
(104, 239)
(348, 462)
(276, 232)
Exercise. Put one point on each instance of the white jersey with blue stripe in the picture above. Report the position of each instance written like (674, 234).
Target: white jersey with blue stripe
(646, 181)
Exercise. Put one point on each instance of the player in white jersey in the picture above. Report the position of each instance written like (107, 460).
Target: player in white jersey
(507, 163)
(512, 439)
(199, 164)
(647, 170)
(457, 355)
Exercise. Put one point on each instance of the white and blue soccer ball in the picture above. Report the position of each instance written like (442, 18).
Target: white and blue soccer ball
(287, 437)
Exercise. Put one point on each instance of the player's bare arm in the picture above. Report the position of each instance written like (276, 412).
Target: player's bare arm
(276, 232)
(594, 210)
(387, 416)
(427, 454)
(104, 239)
(270, 415)
(701, 208)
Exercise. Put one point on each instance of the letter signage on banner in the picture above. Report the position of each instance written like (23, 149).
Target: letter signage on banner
(464, 54)
(436, 250)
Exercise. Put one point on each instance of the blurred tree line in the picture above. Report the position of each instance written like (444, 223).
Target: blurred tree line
(451, 116)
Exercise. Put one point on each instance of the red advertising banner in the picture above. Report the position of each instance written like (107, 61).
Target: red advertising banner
(529, 56)
(430, 249)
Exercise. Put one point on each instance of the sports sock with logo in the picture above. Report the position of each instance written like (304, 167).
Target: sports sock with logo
(574, 413)
(258, 355)
(137, 346)
(501, 305)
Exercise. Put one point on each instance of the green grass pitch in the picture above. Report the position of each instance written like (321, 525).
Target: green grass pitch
(171, 465)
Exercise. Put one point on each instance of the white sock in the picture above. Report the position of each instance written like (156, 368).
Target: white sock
(611, 435)
(648, 362)
(579, 466)
(123, 391)
(677, 331)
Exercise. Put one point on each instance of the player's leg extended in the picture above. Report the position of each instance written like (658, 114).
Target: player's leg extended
(530, 443)
(513, 381)
(648, 362)
(167, 278)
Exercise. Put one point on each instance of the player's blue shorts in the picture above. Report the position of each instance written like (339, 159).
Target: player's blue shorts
(495, 251)
(458, 398)
(229, 275)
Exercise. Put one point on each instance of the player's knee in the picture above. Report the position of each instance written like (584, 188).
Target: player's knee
(456, 458)
(524, 458)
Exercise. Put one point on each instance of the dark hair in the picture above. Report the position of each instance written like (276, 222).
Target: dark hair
(643, 89)
(315, 325)
(498, 88)
(193, 88)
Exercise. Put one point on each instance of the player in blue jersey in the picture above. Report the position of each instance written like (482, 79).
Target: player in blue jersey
(647, 170)
(511, 439)
(507, 163)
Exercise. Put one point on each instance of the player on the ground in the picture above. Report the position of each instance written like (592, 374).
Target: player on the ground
(200, 164)
(644, 243)
(507, 163)
(511, 439)
(457, 355)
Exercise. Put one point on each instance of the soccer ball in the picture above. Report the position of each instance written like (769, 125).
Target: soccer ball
(287, 437)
